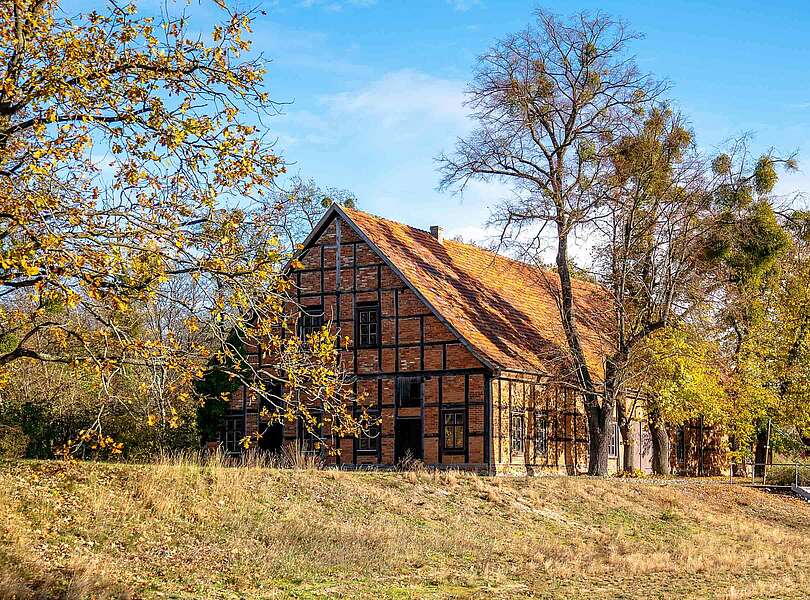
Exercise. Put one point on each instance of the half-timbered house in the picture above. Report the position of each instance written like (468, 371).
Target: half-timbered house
(460, 350)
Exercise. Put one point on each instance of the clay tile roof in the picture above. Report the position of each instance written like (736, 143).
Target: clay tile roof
(504, 309)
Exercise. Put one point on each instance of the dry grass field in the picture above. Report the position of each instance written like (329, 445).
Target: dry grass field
(188, 531)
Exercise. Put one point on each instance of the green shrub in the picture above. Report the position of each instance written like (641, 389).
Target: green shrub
(13, 442)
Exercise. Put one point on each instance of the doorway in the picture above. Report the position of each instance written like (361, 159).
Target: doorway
(272, 436)
(408, 438)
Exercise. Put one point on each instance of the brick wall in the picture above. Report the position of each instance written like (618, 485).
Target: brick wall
(339, 271)
(519, 398)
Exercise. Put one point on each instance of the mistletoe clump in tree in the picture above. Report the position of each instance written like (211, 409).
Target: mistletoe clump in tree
(567, 118)
(650, 257)
(752, 246)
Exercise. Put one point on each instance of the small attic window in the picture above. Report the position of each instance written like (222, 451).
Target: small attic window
(368, 326)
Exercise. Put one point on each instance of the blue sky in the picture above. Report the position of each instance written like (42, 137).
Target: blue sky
(376, 87)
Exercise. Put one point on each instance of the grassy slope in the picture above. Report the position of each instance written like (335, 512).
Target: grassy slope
(94, 530)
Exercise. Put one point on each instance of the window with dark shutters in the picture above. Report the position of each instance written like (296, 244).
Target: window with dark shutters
(232, 433)
(613, 442)
(517, 432)
(369, 440)
(309, 435)
(540, 433)
(409, 392)
(680, 446)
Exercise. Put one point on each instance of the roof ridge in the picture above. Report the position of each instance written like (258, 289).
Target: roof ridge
(379, 218)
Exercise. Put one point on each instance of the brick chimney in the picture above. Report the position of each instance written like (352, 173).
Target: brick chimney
(437, 232)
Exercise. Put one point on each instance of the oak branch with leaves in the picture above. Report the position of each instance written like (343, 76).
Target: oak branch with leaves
(135, 170)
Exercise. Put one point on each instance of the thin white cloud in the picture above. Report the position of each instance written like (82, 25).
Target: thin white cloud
(335, 5)
(379, 139)
(463, 5)
(406, 99)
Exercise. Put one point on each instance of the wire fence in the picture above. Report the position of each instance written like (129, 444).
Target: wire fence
(770, 474)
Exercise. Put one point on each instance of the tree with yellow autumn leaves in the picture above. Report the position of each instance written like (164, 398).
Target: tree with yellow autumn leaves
(136, 185)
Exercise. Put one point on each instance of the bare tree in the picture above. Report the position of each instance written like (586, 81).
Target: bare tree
(549, 102)
(301, 204)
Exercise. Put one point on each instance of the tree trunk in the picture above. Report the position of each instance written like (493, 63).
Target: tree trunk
(599, 416)
(599, 423)
(628, 439)
(738, 468)
(660, 447)
(628, 450)
(659, 436)
(761, 451)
